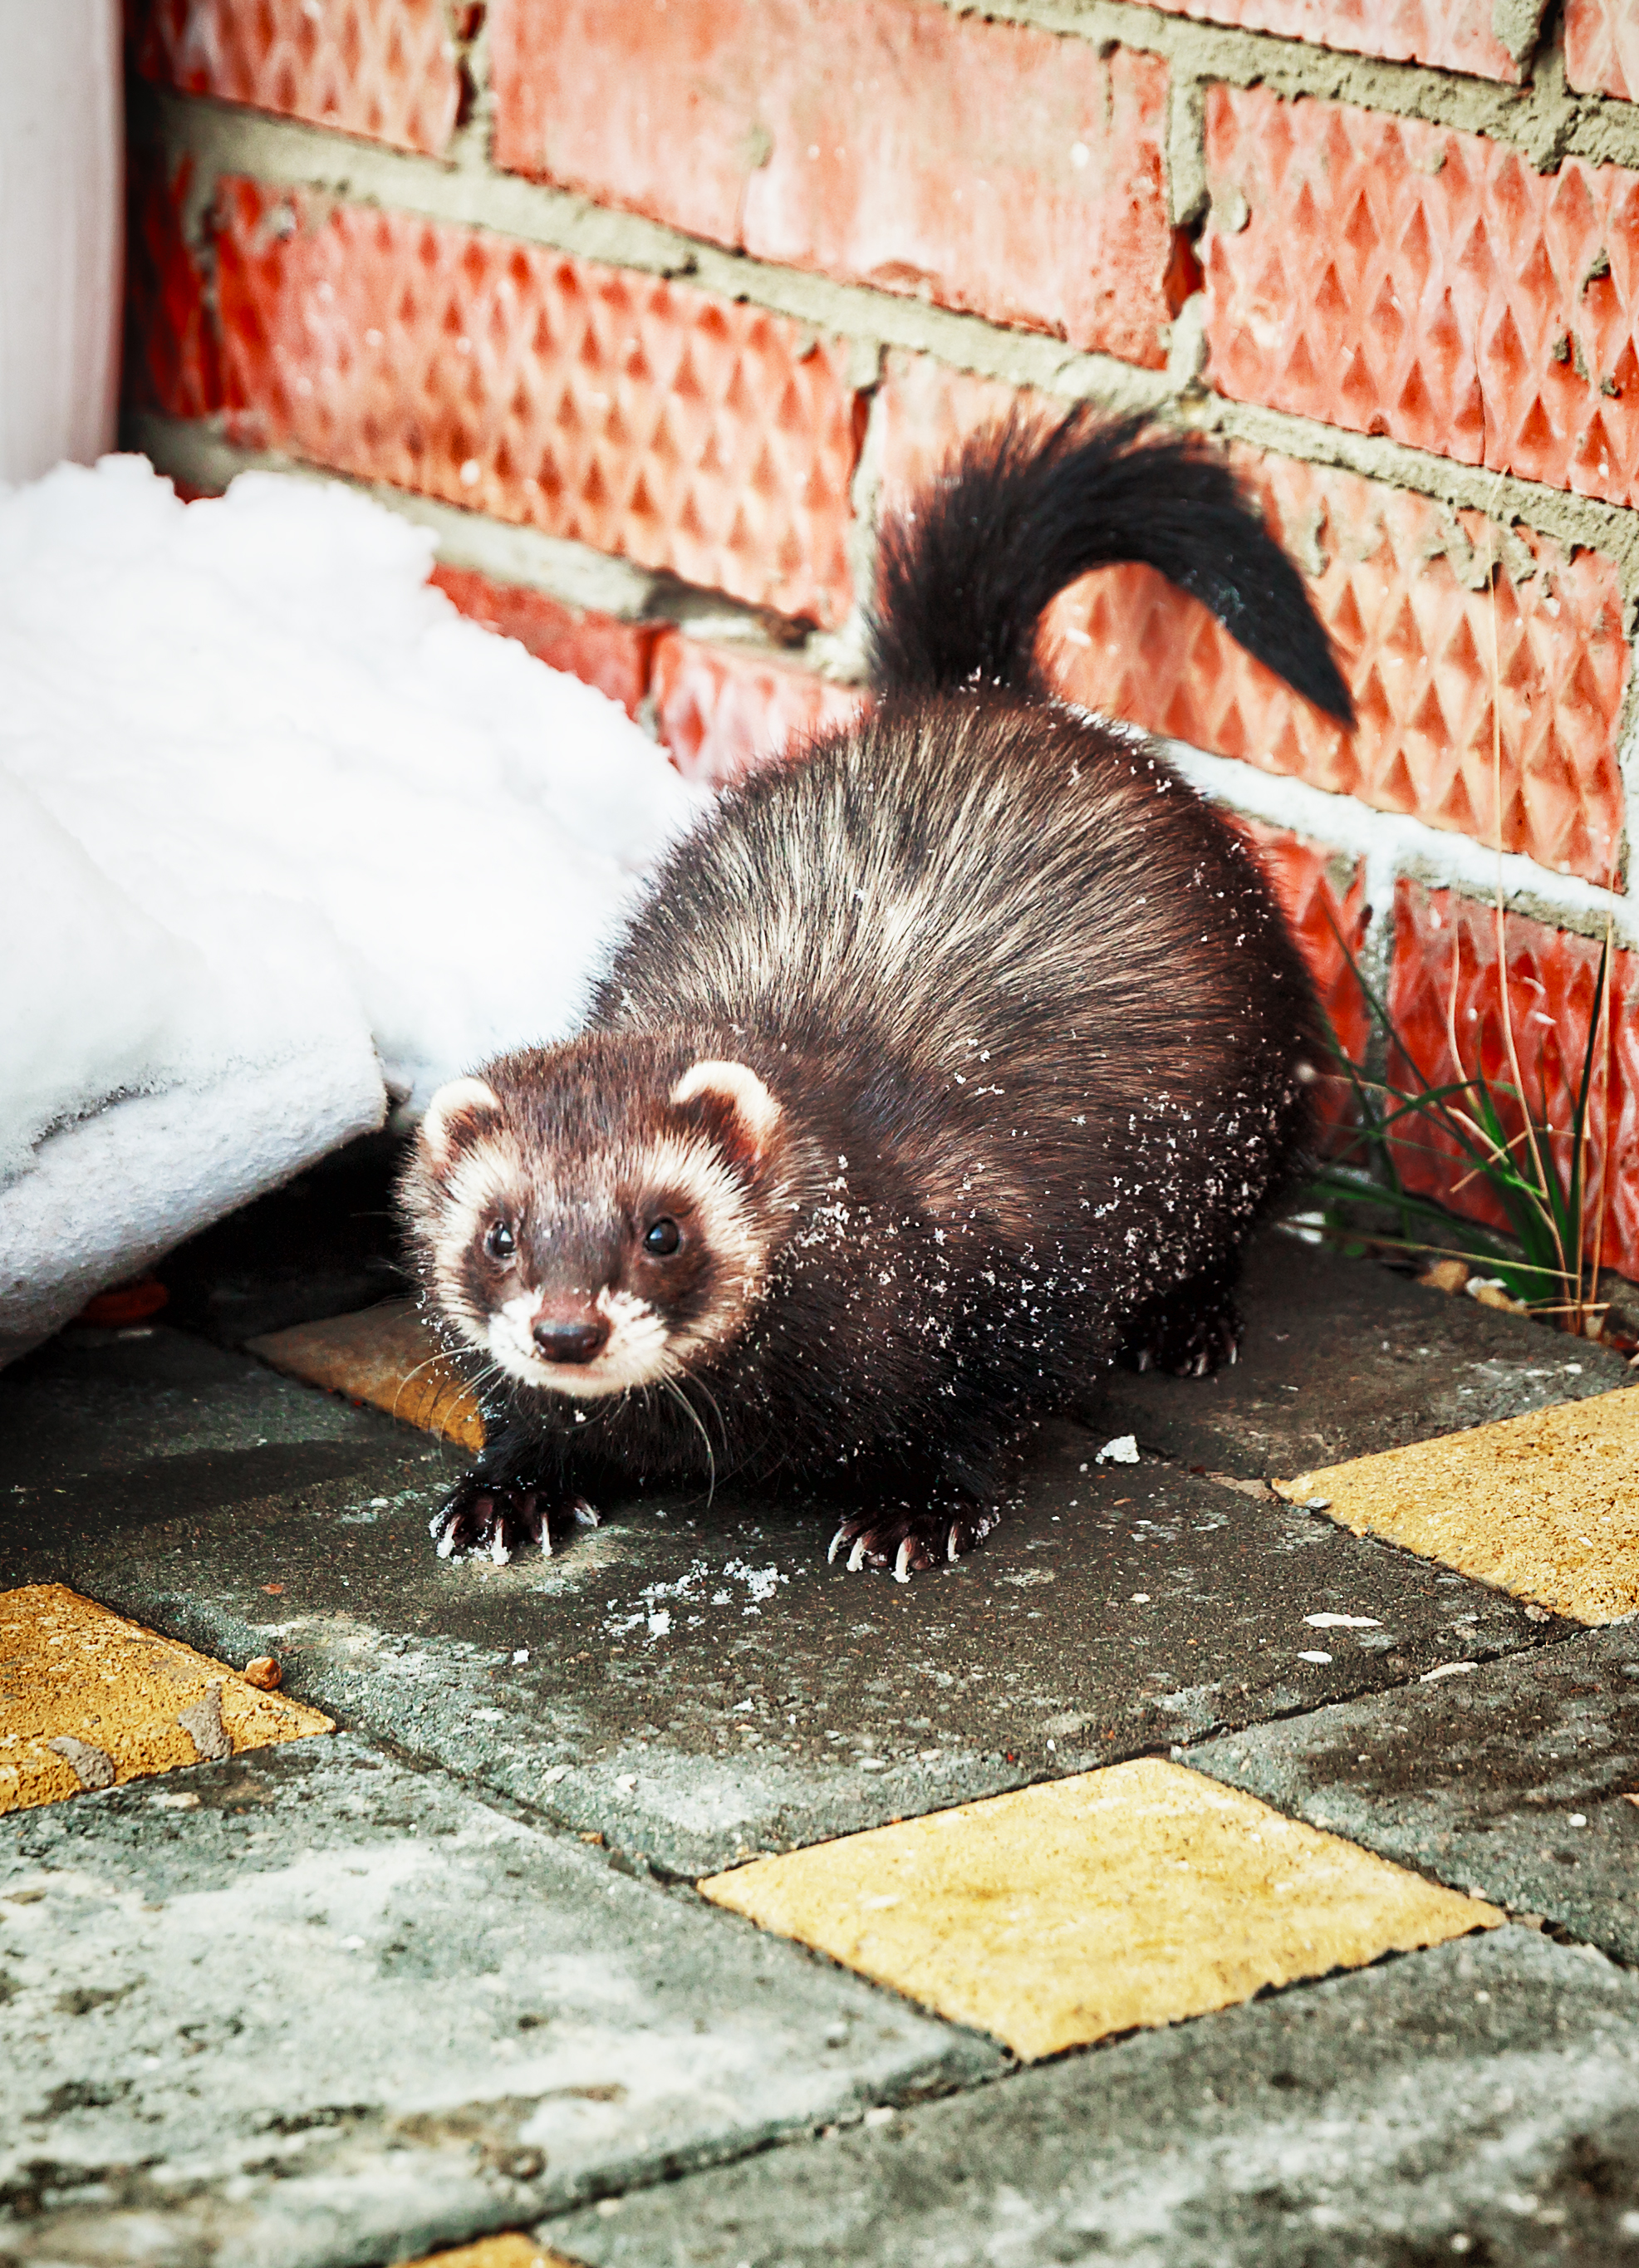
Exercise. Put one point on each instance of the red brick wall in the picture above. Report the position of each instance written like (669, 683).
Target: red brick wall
(662, 304)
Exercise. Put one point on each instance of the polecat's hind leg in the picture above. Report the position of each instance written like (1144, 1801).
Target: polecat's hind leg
(484, 1518)
(1191, 1330)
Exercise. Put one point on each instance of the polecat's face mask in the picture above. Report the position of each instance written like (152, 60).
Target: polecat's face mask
(593, 1259)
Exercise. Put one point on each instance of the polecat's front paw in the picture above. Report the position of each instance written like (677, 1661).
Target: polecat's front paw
(481, 1520)
(908, 1542)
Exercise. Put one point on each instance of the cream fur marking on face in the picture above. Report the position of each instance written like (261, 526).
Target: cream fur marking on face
(698, 1172)
(483, 1188)
(636, 1352)
(758, 1112)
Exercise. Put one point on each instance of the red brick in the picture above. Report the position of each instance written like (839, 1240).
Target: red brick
(613, 655)
(386, 68)
(722, 714)
(1400, 278)
(1323, 895)
(987, 167)
(1455, 34)
(1414, 637)
(171, 361)
(1602, 47)
(638, 415)
(1552, 978)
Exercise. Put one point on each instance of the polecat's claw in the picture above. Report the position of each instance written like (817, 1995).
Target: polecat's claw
(481, 1521)
(907, 1543)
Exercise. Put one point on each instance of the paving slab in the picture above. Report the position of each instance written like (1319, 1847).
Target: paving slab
(1062, 1913)
(694, 1680)
(1546, 1505)
(1341, 1357)
(511, 2250)
(1481, 2101)
(385, 1356)
(312, 2008)
(88, 1699)
(1511, 1781)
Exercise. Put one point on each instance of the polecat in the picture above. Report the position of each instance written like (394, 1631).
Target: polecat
(943, 1066)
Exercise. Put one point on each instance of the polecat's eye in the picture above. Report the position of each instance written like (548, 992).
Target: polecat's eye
(499, 1241)
(662, 1236)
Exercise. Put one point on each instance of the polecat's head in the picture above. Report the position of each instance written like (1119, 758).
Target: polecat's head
(590, 1220)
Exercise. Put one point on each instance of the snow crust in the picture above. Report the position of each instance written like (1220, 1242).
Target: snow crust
(280, 832)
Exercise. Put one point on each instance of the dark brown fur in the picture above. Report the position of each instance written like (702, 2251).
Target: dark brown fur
(1036, 1034)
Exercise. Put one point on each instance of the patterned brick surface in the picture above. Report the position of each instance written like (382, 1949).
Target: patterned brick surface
(1400, 278)
(1602, 47)
(1323, 896)
(987, 167)
(1456, 35)
(722, 714)
(1398, 589)
(637, 415)
(613, 655)
(171, 360)
(1552, 980)
(386, 68)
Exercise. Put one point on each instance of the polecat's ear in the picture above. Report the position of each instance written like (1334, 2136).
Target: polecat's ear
(457, 1111)
(738, 1090)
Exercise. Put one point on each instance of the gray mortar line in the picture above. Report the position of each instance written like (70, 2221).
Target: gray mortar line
(196, 452)
(224, 139)
(281, 153)
(1580, 523)
(1392, 848)
(1544, 118)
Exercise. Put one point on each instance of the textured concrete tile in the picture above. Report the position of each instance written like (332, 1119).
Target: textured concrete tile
(1487, 2092)
(1545, 1506)
(512, 2250)
(325, 2010)
(1054, 1916)
(385, 1356)
(88, 1699)
(1342, 1358)
(1517, 1779)
(107, 1404)
(695, 1682)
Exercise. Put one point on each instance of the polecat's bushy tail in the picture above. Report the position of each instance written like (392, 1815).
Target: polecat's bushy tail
(1024, 510)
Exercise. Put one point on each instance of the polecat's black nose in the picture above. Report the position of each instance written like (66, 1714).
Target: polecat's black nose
(569, 1338)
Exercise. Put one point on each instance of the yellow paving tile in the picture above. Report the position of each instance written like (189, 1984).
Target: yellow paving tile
(495, 2252)
(88, 1699)
(1136, 1895)
(1545, 1506)
(385, 1356)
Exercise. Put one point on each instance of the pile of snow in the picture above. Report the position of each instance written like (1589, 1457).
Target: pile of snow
(284, 839)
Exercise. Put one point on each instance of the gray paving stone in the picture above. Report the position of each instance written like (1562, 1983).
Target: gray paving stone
(313, 2008)
(1511, 1781)
(1481, 2102)
(1342, 1358)
(698, 1682)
